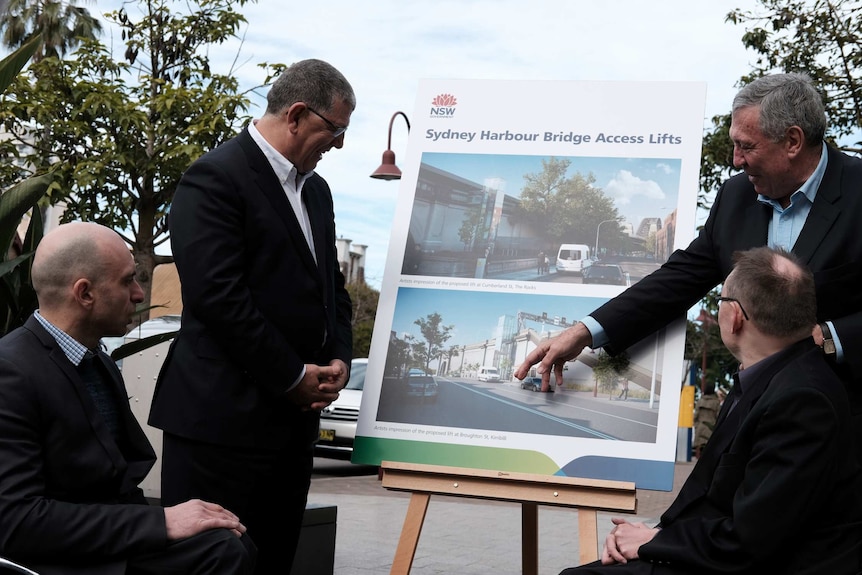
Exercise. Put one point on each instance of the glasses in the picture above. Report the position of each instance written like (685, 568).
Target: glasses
(733, 299)
(335, 129)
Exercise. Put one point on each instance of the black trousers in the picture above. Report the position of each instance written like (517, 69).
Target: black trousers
(214, 552)
(266, 488)
(596, 568)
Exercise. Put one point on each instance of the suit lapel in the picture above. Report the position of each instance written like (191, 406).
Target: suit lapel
(311, 195)
(59, 359)
(270, 188)
(824, 211)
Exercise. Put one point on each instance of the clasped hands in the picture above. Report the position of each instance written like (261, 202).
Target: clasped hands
(624, 540)
(320, 385)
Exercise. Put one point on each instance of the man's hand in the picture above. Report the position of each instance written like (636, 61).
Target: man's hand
(624, 540)
(196, 516)
(320, 385)
(338, 378)
(554, 353)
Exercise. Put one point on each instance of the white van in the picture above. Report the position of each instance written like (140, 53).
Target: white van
(489, 374)
(573, 258)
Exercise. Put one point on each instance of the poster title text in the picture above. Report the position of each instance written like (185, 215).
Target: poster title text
(570, 137)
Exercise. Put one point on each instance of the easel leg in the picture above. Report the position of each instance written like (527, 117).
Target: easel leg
(410, 534)
(588, 540)
(529, 538)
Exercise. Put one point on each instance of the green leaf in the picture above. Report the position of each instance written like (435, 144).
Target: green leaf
(15, 62)
(16, 201)
(9, 265)
(134, 347)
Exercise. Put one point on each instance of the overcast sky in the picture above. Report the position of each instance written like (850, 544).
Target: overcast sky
(384, 47)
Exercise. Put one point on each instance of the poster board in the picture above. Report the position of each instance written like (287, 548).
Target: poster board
(523, 206)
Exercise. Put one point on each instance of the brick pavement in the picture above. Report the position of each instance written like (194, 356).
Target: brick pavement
(463, 536)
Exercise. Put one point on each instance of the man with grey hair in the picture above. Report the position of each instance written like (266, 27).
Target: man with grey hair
(796, 193)
(71, 452)
(266, 339)
(774, 491)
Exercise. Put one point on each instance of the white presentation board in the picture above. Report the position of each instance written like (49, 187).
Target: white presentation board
(522, 207)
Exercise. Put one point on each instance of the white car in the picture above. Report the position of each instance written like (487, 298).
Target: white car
(338, 420)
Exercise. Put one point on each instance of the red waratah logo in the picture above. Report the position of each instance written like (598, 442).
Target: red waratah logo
(443, 106)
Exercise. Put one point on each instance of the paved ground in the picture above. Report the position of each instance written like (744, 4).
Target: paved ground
(459, 536)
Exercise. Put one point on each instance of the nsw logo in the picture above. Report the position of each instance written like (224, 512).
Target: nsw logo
(443, 106)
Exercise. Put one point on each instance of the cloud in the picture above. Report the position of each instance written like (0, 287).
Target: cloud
(625, 186)
(665, 168)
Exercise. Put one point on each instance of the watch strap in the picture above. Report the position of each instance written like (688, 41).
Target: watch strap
(828, 342)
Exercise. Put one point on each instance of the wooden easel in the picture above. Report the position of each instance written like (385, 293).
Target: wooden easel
(587, 495)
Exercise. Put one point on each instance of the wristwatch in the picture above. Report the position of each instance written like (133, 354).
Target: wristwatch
(828, 342)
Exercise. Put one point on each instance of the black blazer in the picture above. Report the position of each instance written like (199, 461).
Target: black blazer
(830, 244)
(777, 489)
(256, 306)
(66, 490)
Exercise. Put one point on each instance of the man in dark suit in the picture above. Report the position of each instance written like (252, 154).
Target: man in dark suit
(266, 339)
(774, 490)
(796, 193)
(71, 452)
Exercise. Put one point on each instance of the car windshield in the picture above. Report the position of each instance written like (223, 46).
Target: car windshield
(357, 376)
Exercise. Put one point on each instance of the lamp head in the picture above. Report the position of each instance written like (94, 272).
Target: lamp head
(387, 170)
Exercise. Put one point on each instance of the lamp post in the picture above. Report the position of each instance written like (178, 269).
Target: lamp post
(388, 170)
(599, 227)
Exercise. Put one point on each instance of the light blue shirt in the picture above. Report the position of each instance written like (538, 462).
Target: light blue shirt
(784, 229)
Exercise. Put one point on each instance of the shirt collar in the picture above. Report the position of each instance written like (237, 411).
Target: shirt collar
(284, 169)
(809, 188)
(72, 348)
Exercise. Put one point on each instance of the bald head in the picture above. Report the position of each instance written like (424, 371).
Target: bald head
(68, 253)
(84, 276)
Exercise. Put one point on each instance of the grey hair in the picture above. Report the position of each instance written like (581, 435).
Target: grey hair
(314, 82)
(785, 100)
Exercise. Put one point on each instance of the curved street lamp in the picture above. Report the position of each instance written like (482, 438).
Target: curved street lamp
(388, 170)
(598, 227)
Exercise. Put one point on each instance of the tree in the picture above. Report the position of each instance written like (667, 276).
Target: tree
(472, 227)
(435, 335)
(364, 299)
(61, 25)
(608, 370)
(123, 131)
(564, 209)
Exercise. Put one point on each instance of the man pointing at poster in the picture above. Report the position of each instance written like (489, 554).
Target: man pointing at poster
(796, 192)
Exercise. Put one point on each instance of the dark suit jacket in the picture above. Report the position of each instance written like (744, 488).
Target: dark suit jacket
(256, 306)
(776, 490)
(66, 490)
(830, 244)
